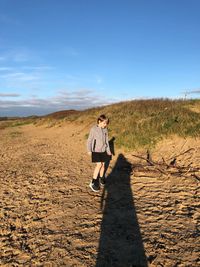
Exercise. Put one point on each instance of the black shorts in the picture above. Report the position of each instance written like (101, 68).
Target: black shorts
(99, 157)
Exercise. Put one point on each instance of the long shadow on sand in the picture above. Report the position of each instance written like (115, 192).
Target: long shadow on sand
(120, 243)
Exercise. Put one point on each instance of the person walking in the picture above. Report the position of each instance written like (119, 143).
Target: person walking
(99, 150)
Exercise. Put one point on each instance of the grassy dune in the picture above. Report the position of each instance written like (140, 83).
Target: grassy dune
(138, 123)
(141, 123)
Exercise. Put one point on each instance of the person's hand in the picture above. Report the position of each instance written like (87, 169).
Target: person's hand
(89, 153)
(109, 154)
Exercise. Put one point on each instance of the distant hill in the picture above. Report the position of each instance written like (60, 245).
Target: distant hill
(8, 118)
(61, 114)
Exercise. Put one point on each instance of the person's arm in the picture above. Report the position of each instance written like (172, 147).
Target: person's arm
(90, 141)
(107, 144)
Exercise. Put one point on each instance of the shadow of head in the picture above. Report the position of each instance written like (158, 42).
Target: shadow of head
(121, 171)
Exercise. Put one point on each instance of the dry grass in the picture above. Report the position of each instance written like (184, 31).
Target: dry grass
(144, 122)
(138, 123)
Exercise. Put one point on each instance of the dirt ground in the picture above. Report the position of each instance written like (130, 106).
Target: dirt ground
(145, 215)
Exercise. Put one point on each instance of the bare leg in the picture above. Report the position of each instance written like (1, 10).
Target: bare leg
(97, 170)
(102, 169)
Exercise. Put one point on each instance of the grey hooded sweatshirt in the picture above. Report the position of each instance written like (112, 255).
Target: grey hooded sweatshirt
(98, 140)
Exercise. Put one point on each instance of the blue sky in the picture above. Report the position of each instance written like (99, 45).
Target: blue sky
(64, 54)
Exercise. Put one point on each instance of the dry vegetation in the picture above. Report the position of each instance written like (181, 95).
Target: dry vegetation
(134, 124)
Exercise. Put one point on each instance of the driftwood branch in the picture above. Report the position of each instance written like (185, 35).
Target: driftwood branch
(165, 168)
(182, 153)
(146, 159)
(197, 177)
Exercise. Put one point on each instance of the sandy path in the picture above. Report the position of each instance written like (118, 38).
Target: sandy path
(49, 217)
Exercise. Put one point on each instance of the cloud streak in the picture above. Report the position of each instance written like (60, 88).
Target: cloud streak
(9, 95)
(64, 100)
(23, 77)
(2, 58)
(19, 76)
(17, 55)
(193, 91)
(5, 68)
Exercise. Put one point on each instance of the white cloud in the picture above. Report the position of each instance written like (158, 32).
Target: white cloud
(80, 92)
(19, 76)
(9, 95)
(5, 68)
(2, 58)
(92, 78)
(80, 99)
(17, 55)
(99, 79)
(195, 91)
(37, 68)
(25, 77)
